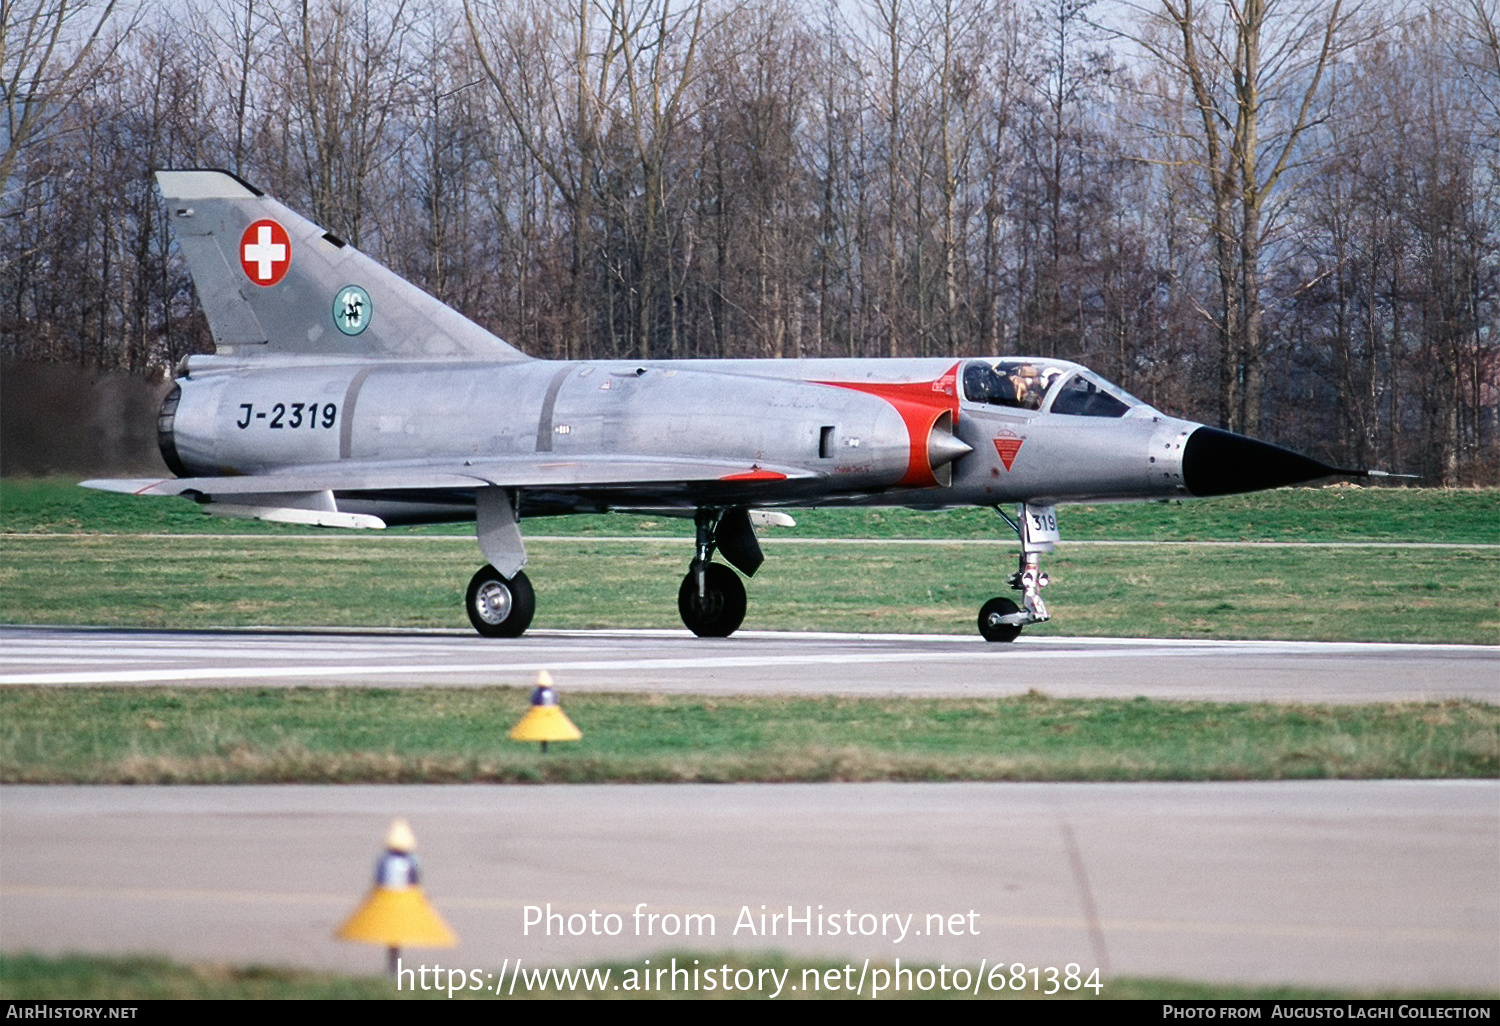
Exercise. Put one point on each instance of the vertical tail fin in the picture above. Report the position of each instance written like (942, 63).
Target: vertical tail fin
(270, 281)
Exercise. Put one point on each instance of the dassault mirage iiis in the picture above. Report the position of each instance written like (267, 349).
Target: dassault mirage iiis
(341, 395)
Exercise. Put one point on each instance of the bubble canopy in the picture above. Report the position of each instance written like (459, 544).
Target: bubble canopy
(1045, 386)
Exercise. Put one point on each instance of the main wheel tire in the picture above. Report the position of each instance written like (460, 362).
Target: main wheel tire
(993, 630)
(721, 610)
(500, 607)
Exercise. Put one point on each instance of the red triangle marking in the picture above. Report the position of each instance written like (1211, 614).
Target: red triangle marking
(1007, 448)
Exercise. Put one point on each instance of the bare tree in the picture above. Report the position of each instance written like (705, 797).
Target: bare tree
(348, 79)
(45, 47)
(659, 59)
(231, 30)
(1481, 27)
(892, 20)
(554, 71)
(1255, 73)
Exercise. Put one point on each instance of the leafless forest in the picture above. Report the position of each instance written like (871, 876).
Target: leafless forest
(1280, 216)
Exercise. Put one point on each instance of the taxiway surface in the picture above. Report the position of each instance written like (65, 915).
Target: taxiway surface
(1375, 885)
(1370, 885)
(754, 662)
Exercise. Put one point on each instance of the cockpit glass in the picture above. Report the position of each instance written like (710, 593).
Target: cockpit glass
(1018, 384)
(1083, 395)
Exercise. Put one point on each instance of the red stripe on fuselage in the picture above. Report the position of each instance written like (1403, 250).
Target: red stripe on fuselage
(920, 404)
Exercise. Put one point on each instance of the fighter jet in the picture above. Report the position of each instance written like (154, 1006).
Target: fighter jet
(341, 395)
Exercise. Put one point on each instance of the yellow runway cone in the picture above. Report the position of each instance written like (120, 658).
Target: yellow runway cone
(545, 721)
(395, 913)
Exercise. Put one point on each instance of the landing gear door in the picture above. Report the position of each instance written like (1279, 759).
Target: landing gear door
(1039, 529)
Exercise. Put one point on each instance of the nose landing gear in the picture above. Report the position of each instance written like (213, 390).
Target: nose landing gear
(1000, 619)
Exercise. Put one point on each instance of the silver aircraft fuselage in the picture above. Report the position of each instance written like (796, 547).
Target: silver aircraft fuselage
(863, 432)
(341, 395)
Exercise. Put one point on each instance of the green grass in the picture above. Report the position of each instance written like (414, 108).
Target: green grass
(93, 558)
(202, 735)
(1287, 514)
(1433, 595)
(114, 735)
(100, 978)
(96, 978)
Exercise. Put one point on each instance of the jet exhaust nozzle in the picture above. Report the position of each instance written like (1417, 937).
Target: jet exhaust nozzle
(166, 425)
(1216, 462)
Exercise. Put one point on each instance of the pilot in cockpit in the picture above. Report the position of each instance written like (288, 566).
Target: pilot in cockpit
(1026, 387)
(1017, 385)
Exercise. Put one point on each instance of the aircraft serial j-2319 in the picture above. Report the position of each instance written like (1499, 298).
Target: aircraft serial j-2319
(340, 395)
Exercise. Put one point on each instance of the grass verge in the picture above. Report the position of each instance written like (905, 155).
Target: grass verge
(1334, 513)
(1443, 595)
(443, 735)
(80, 977)
(160, 570)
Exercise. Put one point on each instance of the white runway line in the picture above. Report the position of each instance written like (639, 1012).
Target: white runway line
(476, 657)
(756, 662)
(533, 666)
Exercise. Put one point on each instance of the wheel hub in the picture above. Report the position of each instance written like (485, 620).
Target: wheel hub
(493, 602)
(710, 605)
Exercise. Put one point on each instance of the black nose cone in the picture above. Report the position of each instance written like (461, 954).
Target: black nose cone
(1218, 462)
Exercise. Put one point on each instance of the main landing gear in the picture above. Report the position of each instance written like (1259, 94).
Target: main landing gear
(711, 600)
(1000, 619)
(500, 602)
(712, 597)
(500, 606)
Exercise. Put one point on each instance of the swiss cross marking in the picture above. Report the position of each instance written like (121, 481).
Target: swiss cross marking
(265, 252)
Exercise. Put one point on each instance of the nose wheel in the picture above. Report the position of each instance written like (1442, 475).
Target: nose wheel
(1000, 619)
(993, 622)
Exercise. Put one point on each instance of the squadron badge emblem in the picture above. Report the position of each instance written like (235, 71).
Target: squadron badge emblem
(352, 310)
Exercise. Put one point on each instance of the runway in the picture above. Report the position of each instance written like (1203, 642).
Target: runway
(1366, 885)
(757, 663)
(1373, 885)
